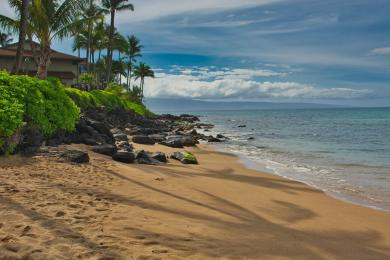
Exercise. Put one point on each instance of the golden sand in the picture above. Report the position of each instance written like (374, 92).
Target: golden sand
(217, 209)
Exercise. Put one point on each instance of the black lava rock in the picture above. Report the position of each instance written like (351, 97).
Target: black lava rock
(75, 156)
(124, 156)
(143, 139)
(105, 149)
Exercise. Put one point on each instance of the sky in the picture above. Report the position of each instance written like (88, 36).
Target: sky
(319, 51)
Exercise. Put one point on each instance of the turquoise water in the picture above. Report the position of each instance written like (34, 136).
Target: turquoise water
(345, 152)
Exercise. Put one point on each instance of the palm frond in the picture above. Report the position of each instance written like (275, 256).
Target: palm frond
(9, 24)
(125, 7)
(16, 5)
(106, 4)
(65, 14)
(65, 31)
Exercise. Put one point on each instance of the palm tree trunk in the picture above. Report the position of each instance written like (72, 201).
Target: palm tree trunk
(22, 37)
(131, 69)
(34, 52)
(128, 78)
(88, 48)
(109, 51)
(94, 67)
(78, 66)
(142, 88)
(43, 61)
(120, 74)
(89, 39)
(93, 60)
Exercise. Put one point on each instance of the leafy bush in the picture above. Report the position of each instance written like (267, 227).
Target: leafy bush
(87, 79)
(139, 109)
(104, 99)
(83, 99)
(115, 89)
(32, 102)
(134, 95)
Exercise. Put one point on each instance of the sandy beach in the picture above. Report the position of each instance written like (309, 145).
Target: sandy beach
(217, 209)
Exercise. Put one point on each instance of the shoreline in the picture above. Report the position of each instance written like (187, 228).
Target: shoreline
(353, 194)
(217, 209)
(250, 164)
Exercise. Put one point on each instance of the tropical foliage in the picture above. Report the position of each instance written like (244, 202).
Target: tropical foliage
(132, 52)
(30, 102)
(84, 20)
(111, 7)
(88, 79)
(104, 99)
(5, 39)
(141, 72)
(23, 7)
(48, 20)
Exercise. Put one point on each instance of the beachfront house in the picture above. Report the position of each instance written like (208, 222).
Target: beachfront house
(63, 66)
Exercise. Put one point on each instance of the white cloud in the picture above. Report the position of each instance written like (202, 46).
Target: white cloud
(6, 9)
(193, 85)
(210, 73)
(152, 9)
(380, 51)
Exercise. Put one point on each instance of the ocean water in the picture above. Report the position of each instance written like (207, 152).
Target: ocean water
(344, 152)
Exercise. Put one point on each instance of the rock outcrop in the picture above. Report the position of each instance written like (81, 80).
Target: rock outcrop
(75, 156)
(184, 157)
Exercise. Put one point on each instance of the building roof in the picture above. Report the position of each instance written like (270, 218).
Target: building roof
(10, 51)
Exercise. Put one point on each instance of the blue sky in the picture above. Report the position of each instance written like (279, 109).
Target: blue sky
(275, 50)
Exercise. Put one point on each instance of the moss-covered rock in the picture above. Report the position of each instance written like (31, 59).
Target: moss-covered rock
(185, 157)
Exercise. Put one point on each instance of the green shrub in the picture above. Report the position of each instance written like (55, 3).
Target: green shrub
(11, 116)
(32, 102)
(139, 109)
(115, 89)
(82, 98)
(55, 81)
(104, 99)
(133, 96)
(88, 79)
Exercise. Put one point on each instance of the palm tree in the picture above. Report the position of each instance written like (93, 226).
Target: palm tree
(133, 51)
(111, 6)
(101, 69)
(52, 19)
(5, 39)
(118, 70)
(141, 72)
(48, 20)
(77, 30)
(22, 5)
(101, 30)
(92, 13)
(119, 44)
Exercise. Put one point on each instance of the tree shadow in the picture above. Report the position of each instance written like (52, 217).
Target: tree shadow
(58, 228)
(245, 233)
(230, 174)
(231, 229)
